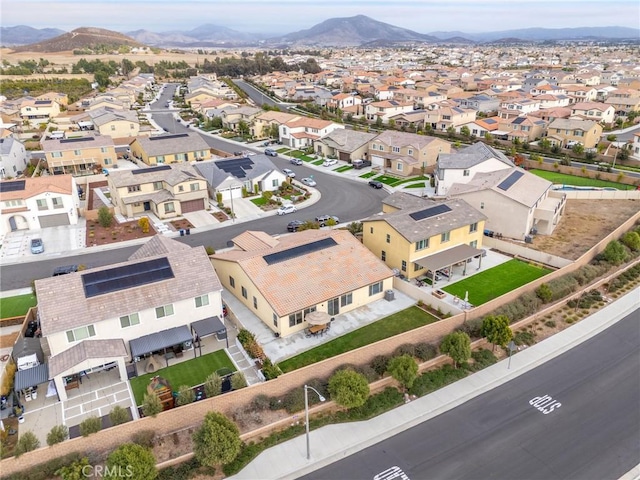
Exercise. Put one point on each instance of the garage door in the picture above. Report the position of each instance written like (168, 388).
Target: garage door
(376, 160)
(56, 220)
(344, 156)
(192, 205)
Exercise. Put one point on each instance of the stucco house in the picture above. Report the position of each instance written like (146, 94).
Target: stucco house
(170, 148)
(267, 124)
(600, 112)
(386, 109)
(481, 103)
(13, 157)
(343, 144)
(127, 312)
(38, 111)
(301, 132)
(38, 202)
(115, 123)
(562, 131)
(79, 155)
(283, 279)
(443, 118)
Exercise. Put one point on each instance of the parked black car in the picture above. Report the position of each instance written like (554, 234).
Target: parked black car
(375, 184)
(65, 269)
(294, 225)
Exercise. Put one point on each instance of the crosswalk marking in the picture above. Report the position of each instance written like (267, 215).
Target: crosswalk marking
(389, 473)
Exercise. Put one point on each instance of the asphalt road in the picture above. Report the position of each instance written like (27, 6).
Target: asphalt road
(593, 435)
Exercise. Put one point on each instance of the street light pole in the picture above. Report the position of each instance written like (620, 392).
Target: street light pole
(511, 347)
(233, 215)
(306, 413)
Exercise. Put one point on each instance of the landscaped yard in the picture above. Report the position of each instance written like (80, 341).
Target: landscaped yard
(496, 281)
(564, 179)
(296, 153)
(191, 372)
(259, 201)
(16, 306)
(318, 162)
(369, 174)
(283, 150)
(306, 158)
(403, 321)
(395, 181)
(343, 168)
(416, 185)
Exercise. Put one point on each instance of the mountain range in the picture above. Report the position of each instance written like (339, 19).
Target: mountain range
(359, 30)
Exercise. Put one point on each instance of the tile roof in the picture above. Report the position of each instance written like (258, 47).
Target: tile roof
(62, 184)
(62, 303)
(347, 140)
(113, 348)
(175, 174)
(400, 139)
(77, 143)
(470, 156)
(313, 278)
(567, 124)
(169, 143)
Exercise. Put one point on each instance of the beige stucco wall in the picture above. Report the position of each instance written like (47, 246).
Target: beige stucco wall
(120, 129)
(98, 155)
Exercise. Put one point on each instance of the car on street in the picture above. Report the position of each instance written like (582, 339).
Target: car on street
(309, 182)
(64, 270)
(285, 209)
(295, 161)
(375, 184)
(294, 225)
(329, 162)
(324, 219)
(237, 154)
(289, 173)
(37, 245)
(270, 152)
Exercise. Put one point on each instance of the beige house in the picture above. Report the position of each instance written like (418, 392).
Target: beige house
(302, 132)
(267, 124)
(386, 109)
(525, 128)
(115, 123)
(170, 148)
(61, 99)
(281, 280)
(79, 155)
(600, 112)
(167, 191)
(585, 132)
(406, 154)
(231, 117)
(443, 118)
(624, 100)
(344, 144)
(38, 111)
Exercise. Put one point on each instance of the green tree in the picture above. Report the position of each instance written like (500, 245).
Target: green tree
(185, 395)
(26, 443)
(458, 346)
(102, 78)
(238, 381)
(57, 434)
(544, 293)
(451, 132)
(631, 240)
(105, 217)
(496, 330)
(615, 253)
(611, 137)
(349, 388)
(544, 144)
(404, 369)
(578, 149)
(217, 441)
(243, 128)
(119, 415)
(74, 471)
(213, 385)
(151, 405)
(465, 132)
(131, 460)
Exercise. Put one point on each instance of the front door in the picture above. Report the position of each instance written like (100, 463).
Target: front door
(334, 306)
(147, 206)
(12, 224)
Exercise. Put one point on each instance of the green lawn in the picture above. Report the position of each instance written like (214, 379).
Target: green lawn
(318, 162)
(416, 185)
(283, 150)
(191, 372)
(409, 319)
(296, 153)
(395, 181)
(368, 174)
(16, 306)
(412, 179)
(343, 168)
(306, 158)
(259, 201)
(496, 281)
(564, 179)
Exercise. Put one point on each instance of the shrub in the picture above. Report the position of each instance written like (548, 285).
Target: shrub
(90, 425)
(217, 441)
(544, 293)
(473, 328)
(260, 402)
(57, 434)
(524, 337)
(151, 405)
(615, 253)
(349, 388)
(293, 400)
(143, 223)
(275, 404)
(379, 364)
(245, 336)
(405, 349)
(369, 373)
(185, 396)
(270, 370)
(404, 369)
(435, 379)
(119, 415)
(75, 470)
(632, 241)
(138, 462)
(238, 381)
(144, 438)
(550, 323)
(105, 217)
(213, 385)
(425, 351)
(26, 443)
(210, 250)
(563, 286)
(483, 358)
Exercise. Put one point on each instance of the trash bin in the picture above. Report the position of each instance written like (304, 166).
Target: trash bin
(388, 295)
(188, 231)
(181, 233)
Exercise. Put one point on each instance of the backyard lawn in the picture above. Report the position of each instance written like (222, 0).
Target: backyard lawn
(191, 372)
(409, 319)
(496, 281)
(16, 306)
(564, 179)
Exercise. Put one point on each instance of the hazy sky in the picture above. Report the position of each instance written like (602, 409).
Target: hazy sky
(286, 16)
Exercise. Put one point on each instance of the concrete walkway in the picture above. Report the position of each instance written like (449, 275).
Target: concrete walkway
(334, 442)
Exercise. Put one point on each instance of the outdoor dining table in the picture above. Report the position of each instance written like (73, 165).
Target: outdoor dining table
(314, 329)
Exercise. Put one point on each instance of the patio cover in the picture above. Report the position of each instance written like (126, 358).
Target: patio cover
(208, 326)
(160, 340)
(317, 318)
(448, 257)
(31, 377)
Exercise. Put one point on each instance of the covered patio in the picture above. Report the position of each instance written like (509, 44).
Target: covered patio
(208, 327)
(169, 343)
(442, 263)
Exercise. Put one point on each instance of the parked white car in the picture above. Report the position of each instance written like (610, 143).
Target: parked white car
(285, 209)
(289, 173)
(309, 182)
(329, 162)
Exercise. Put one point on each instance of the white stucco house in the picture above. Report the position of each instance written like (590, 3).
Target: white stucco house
(13, 157)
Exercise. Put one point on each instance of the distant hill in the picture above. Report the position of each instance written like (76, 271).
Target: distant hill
(22, 35)
(541, 34)
(81, 38)
(351, 31)
(204, 35)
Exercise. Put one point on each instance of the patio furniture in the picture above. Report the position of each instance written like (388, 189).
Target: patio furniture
(439, 294)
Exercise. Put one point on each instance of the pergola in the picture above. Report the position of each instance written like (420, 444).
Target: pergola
(450, 257)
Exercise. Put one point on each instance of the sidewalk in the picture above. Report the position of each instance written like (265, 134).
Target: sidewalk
(335, 442)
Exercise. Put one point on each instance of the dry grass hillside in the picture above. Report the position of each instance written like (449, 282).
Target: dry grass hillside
(80, 38)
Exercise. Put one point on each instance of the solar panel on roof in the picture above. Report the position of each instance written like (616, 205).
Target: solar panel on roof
(490, 121)
(168, 137)
(298, 251)
(14, 186)
(79, 139)
(236, 166)
(510, 180)
(151, 169)
(519, 120)
(42, 102)
(126, 276)
(430, 212)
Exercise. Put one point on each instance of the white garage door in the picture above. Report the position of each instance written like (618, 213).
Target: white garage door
(375, 160)
(56, 220)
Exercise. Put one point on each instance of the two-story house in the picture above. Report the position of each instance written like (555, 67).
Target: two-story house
(406, 154)
(38, 111)
(516, 107)
(343, 144)
(267, 124)
(386, 109)
(38, 202)
(115, 123)
(13, 157)
(586, 132)
(166, 190)
(416, 236)
(170, 148)
(525, 128)
(79, 155)
(635, 146)
(341, 101)
(600, 112)
(624, 100)
(481, 103)
(329, 271)
(443, 118)
(301, 132)
(232, 118)
(135, 311)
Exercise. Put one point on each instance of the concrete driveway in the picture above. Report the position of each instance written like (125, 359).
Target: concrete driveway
(57, 240)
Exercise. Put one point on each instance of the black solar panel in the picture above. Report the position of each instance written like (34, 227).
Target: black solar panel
(510, 180)
(430, 212)
(167, 137)
(151, 169)
(236, 167)
(14, 186)
(79, 139)
(42, 102)
(125, 277)
(299, 250)
(519, 120)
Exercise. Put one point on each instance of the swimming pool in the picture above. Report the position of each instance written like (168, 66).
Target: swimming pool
(574, 188)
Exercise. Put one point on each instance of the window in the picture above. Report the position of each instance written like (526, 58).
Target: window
(157, 185)
(255, 302)
(465, 173)
(307, 311)
(275, 320)
(346, 299)
(244, 292)
(181, 157)
(77, 153)
(375, 288)
(410, 151)
(164, 311)
(160, 159)
(104, 149)
(417, 267)
(422, 244)
(333, 306)
(202, 301)
(42, 204)
(181, 188)
(388, 238)
(195, 187)
(473, 227)
(399, 166)
(481, 205)
(81, 333)
(474, 244)
(445, 237)
(383, 256)
(395, 149)
(129, 320)
(274, 183)
(56, 154)
(404, 265)
(133, 188)
(169, 208)
(371, 230)
(113, 128)
(232, 281)
(57, 202)
(295, 319)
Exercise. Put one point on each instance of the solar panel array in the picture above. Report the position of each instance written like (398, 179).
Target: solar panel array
(237, 167)
(42, 102)
(125, 277)
(151, 169)
(14, 186)
(168, 137)
(79, 139)
(430, 212)
(298, 251)
(510, 180)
